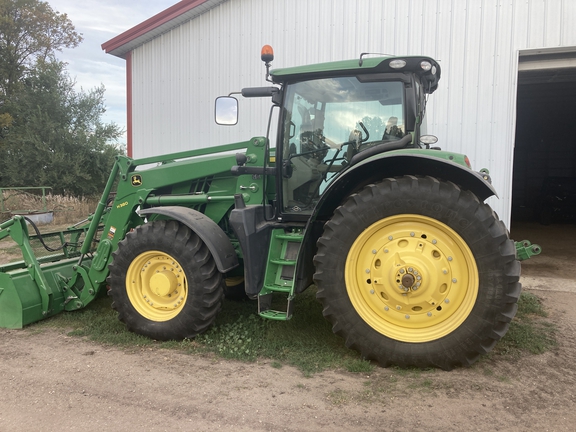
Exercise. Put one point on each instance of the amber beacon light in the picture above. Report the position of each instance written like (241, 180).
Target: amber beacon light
(267, 54)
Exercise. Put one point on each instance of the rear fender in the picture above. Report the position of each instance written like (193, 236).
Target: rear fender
(211, 234)
(374, 169)
(395, 164)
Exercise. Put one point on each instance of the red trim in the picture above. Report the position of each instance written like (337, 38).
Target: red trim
(129, 104)
(151, 23)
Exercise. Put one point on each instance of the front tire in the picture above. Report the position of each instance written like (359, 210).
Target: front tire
(416, 272)
(164, 282)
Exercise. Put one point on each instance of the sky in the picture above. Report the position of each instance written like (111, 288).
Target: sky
(99, 21)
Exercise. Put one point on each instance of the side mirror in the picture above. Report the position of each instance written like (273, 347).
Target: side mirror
(226, 110)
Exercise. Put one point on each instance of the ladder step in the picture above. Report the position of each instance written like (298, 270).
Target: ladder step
(289, 237)
(265, 307)
(283, 262)
(277, 288)
(275, 315)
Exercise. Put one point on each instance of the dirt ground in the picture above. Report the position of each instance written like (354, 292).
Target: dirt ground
(56, 382)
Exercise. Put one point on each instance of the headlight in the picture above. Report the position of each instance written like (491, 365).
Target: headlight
(397, 64)
(426, 65)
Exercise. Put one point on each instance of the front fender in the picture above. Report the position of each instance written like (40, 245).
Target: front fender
(211, 234)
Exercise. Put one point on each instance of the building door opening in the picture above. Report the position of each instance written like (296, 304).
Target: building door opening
(544, 173)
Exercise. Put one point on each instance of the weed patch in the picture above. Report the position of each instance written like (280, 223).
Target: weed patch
(67, 209)
(529, 331)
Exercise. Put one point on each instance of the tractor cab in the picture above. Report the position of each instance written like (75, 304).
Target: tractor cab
(326, 122)
(334, 115)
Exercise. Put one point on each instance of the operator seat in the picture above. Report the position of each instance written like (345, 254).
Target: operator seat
(392, 130)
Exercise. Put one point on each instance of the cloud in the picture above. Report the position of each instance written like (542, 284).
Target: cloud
(99, 21)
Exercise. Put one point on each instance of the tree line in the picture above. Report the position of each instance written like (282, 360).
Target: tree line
(50, 133)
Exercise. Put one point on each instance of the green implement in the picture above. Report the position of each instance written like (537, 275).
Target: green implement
(526, 250)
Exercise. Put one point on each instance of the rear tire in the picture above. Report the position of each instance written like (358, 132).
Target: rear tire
(416, 272)
(164, 282)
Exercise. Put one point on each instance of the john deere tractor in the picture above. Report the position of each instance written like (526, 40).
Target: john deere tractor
(410, 265)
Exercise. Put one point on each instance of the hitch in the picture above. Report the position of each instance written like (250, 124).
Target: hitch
(526, 250)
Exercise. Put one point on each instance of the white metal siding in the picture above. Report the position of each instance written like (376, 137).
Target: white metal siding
(177, 76)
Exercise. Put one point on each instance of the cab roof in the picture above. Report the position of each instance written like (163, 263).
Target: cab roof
(365, 66)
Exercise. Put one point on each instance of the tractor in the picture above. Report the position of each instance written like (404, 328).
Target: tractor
(350, 195)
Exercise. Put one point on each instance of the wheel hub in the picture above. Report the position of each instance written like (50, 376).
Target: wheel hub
(163, 283)
(408, 281)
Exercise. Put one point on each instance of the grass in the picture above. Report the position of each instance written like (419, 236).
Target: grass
(529, 331)
(67, 209)
(306, 341)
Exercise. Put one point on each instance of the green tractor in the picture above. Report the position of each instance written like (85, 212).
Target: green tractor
(411, 266)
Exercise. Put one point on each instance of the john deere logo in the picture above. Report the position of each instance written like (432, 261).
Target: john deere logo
(136, 180)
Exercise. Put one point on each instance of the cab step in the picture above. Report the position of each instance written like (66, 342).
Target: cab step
(279, 276)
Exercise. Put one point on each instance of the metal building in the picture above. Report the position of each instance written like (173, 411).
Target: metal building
(506, 97)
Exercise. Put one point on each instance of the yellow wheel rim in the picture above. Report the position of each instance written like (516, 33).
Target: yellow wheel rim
(156, 285)
(234, 281)
(411, 278)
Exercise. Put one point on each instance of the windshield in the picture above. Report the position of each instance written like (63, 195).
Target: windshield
(326, 122)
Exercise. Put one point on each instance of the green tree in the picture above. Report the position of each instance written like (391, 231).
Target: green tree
(49, 134)
(30, 30)
(57, 138)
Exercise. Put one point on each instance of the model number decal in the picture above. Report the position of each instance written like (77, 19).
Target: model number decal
(124, 204)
